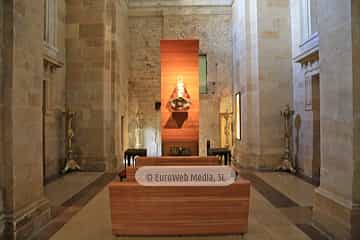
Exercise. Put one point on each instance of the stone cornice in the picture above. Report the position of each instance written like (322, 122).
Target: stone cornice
(164, 11)
(309, 50)
(178, 3)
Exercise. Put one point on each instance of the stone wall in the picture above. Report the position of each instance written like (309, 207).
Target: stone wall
(212, 26)
(305, 68)
(337, 199)
(85, 58)
(245, 75)
(2, 92)
(356, 87)
(95, 31)
(261, 73)
(25, 205)
(1, 120)
(55, 84)
(116, 78)
(144, 81)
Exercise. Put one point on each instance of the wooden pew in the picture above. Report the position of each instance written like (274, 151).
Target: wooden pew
(138, 210)
(177, 161)
(170, 161)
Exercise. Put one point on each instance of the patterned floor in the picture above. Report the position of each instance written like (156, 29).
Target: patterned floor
(281, 208)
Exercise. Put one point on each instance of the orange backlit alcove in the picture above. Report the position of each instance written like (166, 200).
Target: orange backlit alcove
(179, 97)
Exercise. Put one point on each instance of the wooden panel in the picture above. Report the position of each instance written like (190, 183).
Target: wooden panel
(144, 211)
(130, 174)
(180, 58)
(170, 161)
(177, 161)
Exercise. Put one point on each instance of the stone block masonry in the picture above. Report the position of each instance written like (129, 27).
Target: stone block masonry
(212, 27)
(97, 76)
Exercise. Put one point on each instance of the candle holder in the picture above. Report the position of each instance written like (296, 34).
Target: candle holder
(71, 164)
(287, 164)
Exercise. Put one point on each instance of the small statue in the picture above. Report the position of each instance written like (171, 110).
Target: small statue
(287, 165)
(71, 164)
(139, 129)
(139, 119)
(227, 127)
(180, 98)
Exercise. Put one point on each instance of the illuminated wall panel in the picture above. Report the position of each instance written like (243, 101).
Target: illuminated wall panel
(179, 63)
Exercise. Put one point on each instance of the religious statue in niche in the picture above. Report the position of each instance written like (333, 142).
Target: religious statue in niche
(139, 120)
(180, 98)
(227, 128)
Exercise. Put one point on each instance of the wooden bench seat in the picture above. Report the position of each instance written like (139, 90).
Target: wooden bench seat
(138, 210)
(177, 161)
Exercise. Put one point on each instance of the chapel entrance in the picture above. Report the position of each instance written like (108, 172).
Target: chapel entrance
(316, 162)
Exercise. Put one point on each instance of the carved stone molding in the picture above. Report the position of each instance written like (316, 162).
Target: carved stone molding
(309, 51)
(309, 60)
(311, 73)
(18, 223)
(336, 216)
(2, 216)
(51, 59)
(51, 64)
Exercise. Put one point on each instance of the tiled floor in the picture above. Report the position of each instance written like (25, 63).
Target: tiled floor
(80, 189)
(291, 195)
(276, 213)
(294, 188)
(64, 188)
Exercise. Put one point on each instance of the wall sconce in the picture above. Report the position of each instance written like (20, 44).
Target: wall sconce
(157, 105)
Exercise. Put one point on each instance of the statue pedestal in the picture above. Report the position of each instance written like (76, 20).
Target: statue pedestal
(139, 138)
(71, 165)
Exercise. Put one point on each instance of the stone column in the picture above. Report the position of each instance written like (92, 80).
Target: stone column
(262, 73)
(25, 207)
(2, 162)
(337, 200)
(85, 74)
(94, 74)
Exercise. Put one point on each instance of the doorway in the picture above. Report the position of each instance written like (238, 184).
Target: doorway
(122, 138)
(44, 107)
(316, 163)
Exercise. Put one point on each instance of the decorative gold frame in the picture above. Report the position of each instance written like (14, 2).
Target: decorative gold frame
(237, 111)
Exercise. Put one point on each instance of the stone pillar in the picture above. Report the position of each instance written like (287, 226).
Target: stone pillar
(96, 73)
(85, 73)
(262, 73)
(25, 207)
(337, 200)
(2, 162)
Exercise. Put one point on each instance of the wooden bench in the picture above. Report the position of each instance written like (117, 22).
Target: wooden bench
(138, 210)
(177, 161)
